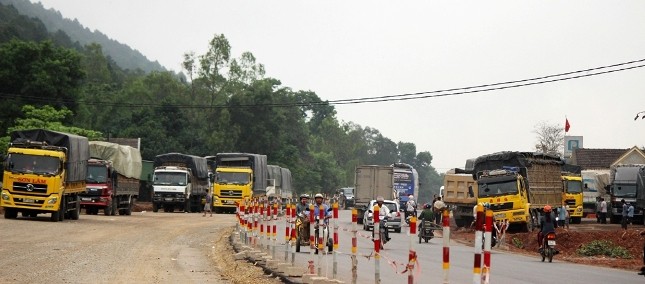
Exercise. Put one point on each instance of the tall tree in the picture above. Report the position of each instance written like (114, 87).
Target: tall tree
(550, 138)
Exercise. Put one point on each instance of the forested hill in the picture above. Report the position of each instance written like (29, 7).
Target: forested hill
(122, 54)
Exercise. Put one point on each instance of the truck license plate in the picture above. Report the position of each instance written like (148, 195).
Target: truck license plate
(550, 242)
(86, 199)
(500, 216)
(28, 200)
(168, 199)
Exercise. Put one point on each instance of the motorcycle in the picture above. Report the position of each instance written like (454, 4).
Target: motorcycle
(325, 236)
(382, 231)
(548, 247)
(409, 216)
(426, 230)
(302, 233)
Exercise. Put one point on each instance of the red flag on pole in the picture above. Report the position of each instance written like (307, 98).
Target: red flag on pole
(566, 125)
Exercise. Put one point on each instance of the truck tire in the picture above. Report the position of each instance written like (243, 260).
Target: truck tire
(155, 207)
(10, 213)
(108, 209)
(128, 211)
(187, 206)
(576, 220)
(75, 214)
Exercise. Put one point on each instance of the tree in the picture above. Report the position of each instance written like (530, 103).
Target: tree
(550, 138)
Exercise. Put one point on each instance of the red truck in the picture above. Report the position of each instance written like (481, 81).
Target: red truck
(112, 179)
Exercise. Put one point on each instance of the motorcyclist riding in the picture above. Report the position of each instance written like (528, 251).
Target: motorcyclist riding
(547, 224)
(384, 211)
(303, 206)
(427, 214)
(318, 200)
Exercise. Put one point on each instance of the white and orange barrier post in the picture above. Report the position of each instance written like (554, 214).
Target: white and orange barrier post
(377, 245)
(354, 245)
(478, 245)
(412, 254)
(487, 246)
(274, 235)
(446, 246)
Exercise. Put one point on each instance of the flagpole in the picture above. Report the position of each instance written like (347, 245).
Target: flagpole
(564, 141)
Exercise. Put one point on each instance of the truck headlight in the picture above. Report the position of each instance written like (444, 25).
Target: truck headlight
(52, 200)
(5, 196)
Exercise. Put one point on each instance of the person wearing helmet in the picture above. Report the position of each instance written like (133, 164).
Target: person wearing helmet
(318, 201)
(410, 207)
(303, 206)
(547, 223)
(427, 214)
(384, 211)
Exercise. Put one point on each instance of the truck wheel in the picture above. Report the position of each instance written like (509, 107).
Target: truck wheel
(63, 210)
(155, 207)
(108, 209)
(297, 245)
(54, 217)
(187, 206)
(10, 213)
(74, 214)
(128, 211)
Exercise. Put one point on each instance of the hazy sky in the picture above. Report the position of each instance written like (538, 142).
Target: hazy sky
(354, 49)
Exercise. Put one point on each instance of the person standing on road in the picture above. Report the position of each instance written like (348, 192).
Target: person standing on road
(439, 206)
(208, 205)
(630, 213)
(623, 221)
(562, 214)
(603, 211)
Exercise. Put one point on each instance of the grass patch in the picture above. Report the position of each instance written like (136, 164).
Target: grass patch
(517, 242)
(603, 247)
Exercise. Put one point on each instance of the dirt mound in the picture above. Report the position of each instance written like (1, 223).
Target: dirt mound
(568, 243)
(142, 206)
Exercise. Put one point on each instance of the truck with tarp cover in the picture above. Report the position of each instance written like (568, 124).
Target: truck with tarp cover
(238, 176)
(460, 195)
(44, 172)
(279, 180)
(594, 187)
(517, 185)
(113, 174)
(180, 181)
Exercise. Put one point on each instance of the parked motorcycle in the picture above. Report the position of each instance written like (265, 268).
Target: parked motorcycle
(548, 247)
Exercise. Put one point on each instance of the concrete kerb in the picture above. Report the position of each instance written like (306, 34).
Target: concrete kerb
(289, 271)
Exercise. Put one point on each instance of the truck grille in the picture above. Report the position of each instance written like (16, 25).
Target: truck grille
(502, 206)
(571, 202)
(29, 187)
(93, 192)
(230, 193)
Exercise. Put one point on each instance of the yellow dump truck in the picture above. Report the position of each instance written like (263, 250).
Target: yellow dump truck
(573, 195)
(460, 195)
(44, 172)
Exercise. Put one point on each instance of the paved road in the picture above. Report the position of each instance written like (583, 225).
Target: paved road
(506, 267)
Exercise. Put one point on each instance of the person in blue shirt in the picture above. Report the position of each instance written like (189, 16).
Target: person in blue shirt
(630, 213)
(318, 198)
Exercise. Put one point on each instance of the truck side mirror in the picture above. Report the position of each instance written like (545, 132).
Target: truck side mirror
(471, 193)
(586, 186)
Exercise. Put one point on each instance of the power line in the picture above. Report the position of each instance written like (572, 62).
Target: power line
(401, 97)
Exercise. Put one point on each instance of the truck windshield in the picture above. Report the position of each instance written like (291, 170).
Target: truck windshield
(96, 174)
(233, 178)
(497, 188)
(170, 178)
(574, 186)
(41, 165)
(623, 190)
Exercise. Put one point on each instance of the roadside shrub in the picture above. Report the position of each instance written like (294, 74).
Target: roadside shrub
(517, 242)
(603, 247)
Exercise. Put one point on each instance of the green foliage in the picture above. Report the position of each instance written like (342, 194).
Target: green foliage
(517, 242)
(603, 247)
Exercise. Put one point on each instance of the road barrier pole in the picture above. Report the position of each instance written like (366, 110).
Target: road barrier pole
(412, 255)
(274, 222)
(321, 236)
(262, 221)
(268, 217)
(487, 246)
(335, 265)
(241, 221)
(377, 245)
(312, 235)
(293, 234)
(446, 246)
(287, 235)
(478, 245)
(354, 245)
(256, 217)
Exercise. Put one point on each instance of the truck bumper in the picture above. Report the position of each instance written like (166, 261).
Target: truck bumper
(576, 212)
(168, 200)
(95, 201)
(513, 216)
(225, 202)
(42, 203)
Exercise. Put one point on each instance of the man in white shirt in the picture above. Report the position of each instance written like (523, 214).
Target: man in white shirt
(439, 206)
(383, 212)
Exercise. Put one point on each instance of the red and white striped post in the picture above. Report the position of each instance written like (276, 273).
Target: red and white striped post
(354, 245)
(274, 235)
(256, 217)
(487, 246)
(293, 233)
(312, 235)
(248, 220)
(446, 246)
(412, 255)
(287, 235)
(377, 245)
(335, 233)
(262, 221)
(321, 223)
(242, 223)
(479, 226)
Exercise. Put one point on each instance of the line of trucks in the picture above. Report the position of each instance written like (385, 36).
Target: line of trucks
(59, 173)
(517, 185)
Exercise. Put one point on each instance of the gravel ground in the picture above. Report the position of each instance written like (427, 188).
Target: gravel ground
(143, 248)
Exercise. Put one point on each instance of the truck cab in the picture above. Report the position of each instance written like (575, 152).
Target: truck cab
(171, 188)
(99, 188)
(505, 190)
(624, 186)
(573, 196)
(231, 185)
